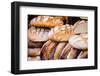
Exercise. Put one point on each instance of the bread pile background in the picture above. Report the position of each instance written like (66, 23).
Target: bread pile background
(57, 37)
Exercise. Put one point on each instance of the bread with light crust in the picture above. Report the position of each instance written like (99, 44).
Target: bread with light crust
(38, 34)
(79, 41)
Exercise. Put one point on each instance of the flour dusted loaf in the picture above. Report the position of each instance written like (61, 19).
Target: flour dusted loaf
(38, 34)
(60, 33)
(79, 41)
(81, 27)
(47, 21)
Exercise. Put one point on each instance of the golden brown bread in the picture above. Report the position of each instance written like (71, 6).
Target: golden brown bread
(60, 33)
(47, 21)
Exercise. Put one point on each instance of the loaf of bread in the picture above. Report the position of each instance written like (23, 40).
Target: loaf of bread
(73, 53)
(79, 41)
(47, 21)
(52, 50)
(81, 27)
(59, 49)
(60, 33)
(83, 54)
(38, 34)
(47, 50)
(32, 52)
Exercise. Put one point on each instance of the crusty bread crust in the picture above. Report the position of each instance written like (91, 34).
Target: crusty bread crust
(46, 21)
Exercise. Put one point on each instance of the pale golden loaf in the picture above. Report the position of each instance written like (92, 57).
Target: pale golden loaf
(81, 27)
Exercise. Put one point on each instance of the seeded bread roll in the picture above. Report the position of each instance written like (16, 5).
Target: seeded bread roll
(47, 21)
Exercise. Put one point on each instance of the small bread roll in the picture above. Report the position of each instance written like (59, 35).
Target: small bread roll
(79, 42)
(47, 21)
(60, 33)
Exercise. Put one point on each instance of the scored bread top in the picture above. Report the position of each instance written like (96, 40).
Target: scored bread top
(47, 21)
(61, 33)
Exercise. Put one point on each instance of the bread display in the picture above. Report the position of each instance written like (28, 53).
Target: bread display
(61, 50)
(53, 38)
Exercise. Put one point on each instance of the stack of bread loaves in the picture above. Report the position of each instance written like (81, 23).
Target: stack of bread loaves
(66, 42)
(38, 33)
(50, 38)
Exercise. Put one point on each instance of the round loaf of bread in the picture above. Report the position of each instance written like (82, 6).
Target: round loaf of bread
(81, 27)
(78, 41)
